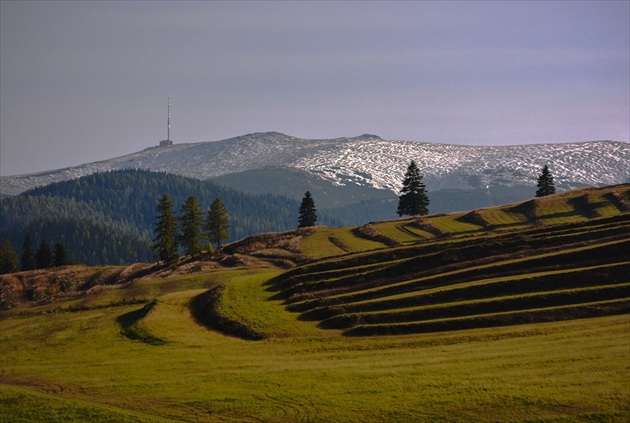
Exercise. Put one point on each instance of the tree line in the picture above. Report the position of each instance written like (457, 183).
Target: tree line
(114, 233)
(188, 230)
(42, 258)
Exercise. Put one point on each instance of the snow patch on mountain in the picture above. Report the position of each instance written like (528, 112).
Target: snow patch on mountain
(453, 166)
(367, 160)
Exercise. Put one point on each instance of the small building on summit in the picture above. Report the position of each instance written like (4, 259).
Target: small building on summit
(167, 141)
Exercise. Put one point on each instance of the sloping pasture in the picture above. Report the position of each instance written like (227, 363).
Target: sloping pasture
(556, 258)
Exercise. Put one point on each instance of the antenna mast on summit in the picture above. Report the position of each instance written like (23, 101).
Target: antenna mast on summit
(167, 142)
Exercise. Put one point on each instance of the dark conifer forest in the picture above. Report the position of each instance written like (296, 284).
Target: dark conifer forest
(108, 218)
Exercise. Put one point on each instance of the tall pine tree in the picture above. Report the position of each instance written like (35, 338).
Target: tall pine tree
(43, 255)
(545, 183)
(308, 213)
(165, 241)
(413, 200)
(217, 223)
(27, 259)
(190, 221)
(60, 255)
(8, 258)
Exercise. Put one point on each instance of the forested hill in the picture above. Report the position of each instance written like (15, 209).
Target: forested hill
(108, 218)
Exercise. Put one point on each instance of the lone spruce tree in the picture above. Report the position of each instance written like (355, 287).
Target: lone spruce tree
(217, 223)
(165, 242)
(413, 200)
(308, 214)
(190, 221)
(545, 183)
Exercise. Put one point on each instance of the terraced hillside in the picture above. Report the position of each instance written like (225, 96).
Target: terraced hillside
(561, 257)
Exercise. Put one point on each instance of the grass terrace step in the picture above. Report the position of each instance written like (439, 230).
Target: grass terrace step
(527, 301)
(584, 310)
(614, 228)
(469, 258)
(608, 253)
(286, 283)
(480, 289)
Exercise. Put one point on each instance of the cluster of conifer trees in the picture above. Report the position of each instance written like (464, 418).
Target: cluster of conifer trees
(42, 258)
(189, 230)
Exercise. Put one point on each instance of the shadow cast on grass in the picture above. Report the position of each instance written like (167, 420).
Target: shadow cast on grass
(130, 326)
(204, 309)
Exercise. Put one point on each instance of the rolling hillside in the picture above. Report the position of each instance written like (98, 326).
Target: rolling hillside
(515, 313)
(469, 268)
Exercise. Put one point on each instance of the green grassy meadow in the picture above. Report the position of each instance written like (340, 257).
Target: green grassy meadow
(376, 327)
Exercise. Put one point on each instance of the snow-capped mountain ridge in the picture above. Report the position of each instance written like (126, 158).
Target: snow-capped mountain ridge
(367, 160)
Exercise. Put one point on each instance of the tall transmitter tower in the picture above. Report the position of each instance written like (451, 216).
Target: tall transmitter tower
(167, 141)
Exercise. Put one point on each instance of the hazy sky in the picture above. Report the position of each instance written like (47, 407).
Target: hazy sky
(87, 81)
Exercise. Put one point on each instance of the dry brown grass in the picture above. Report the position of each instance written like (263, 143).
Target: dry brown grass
(50, 285)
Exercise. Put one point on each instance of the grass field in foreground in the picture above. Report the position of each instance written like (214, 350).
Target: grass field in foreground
(76, 366)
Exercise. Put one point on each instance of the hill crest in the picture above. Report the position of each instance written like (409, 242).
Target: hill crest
(366, 160)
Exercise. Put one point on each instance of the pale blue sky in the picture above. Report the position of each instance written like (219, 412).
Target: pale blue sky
(87, 81)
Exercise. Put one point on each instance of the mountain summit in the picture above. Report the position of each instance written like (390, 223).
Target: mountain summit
(367, 161)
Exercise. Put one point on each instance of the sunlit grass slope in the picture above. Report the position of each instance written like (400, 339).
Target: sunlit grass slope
(77, 367)
(570, 207)
(554, 258)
